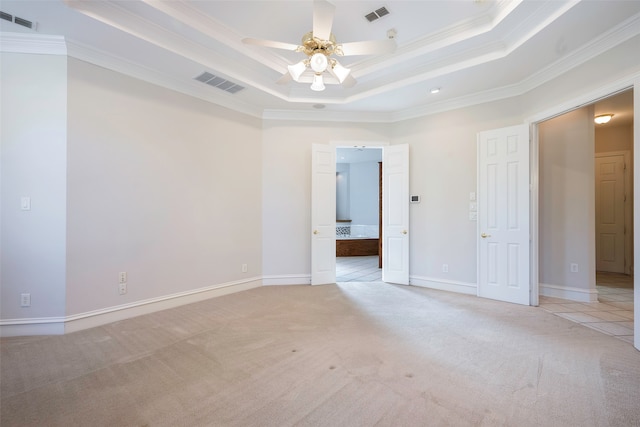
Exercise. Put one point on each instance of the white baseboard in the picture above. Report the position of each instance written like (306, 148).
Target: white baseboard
(445, 285)
(287, 279)
(77, 322)
(568, 293)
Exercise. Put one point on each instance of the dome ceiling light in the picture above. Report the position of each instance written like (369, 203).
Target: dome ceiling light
(602, 118)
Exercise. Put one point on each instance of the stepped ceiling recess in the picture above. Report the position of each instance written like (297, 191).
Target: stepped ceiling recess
(471, 50)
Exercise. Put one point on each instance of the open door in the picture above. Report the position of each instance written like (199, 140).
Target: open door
(395, 214)
(503, 214)
(323, 215)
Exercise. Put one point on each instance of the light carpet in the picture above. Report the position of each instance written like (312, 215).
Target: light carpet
(353, 354)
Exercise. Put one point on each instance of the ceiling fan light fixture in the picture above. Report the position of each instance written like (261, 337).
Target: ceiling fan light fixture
(319, 62)
(296, 70)
(340, 72)
(602, 118)
(318, 83)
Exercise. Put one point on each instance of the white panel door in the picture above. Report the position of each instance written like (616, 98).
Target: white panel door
(610, 200)
(323, 215)
(503, 214)
(395, 214)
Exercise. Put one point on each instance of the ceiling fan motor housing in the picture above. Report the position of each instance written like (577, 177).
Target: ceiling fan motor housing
(311, 45)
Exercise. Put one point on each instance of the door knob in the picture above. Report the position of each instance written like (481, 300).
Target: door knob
(485, 235)
(315, 231)
(404, 231)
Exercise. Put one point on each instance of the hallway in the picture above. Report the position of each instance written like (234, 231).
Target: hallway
(611, 315)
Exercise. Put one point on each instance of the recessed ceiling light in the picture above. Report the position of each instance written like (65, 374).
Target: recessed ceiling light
(435, 90)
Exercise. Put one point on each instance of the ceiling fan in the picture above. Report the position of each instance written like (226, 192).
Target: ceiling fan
(320, 46)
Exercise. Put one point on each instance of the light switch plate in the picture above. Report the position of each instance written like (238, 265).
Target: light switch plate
(25, 203)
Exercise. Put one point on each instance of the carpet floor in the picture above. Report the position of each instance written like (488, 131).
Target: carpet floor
(353, 354)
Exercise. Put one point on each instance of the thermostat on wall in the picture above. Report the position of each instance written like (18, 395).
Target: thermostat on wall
(415, 199)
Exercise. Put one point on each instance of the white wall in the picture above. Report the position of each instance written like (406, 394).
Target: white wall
(442, 151)
(567, 205)
(364, 192)
(343, 181)
(286, 185)
(34, 161)
(161, 185)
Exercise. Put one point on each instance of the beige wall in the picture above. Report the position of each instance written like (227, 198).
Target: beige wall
(160, 185)
(567, 203)
(614, 138)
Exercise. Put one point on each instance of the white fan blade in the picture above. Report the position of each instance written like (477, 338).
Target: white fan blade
(372, 47)
(323, 12)
(350, 81)
(286, 78)
(270, 43)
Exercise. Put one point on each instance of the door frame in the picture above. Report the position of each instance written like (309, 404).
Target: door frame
(335, 144)
(533, 121)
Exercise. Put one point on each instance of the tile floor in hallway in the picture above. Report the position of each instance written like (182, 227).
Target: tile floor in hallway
(611, 315)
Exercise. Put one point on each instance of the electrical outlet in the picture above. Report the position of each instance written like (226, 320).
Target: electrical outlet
(122, 277)
(245, 268)
(445, 268)
(122, 288)
(25, 300)
(574, 268)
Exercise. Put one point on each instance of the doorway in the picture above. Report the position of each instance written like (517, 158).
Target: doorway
(358, 214)
(605, 249)
(395, 212)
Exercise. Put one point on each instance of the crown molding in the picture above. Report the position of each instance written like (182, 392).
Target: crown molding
(57, 45)
(32, 43)
(328, 116)
(131, 69)
(614, 37)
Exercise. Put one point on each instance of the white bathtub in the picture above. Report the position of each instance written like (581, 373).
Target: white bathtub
(356, 231)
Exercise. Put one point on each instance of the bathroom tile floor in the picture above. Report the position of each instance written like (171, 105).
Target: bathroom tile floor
(611, 315)
(358, 269)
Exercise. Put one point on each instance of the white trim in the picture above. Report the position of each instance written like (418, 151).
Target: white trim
(361, 143)
(32, 44)
(90, 319)
(534, 215)
(568, 293)
(444, 285)
(287, 279)
(636, 207)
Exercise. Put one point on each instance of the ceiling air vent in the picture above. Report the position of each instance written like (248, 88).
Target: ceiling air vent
(219, 82)
(377, 14)
(17, 20)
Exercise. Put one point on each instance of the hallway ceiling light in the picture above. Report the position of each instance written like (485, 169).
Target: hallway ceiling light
(603, 118)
